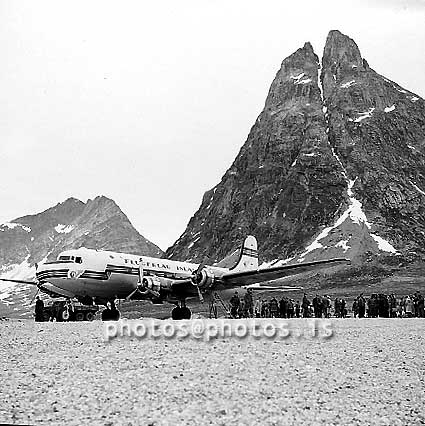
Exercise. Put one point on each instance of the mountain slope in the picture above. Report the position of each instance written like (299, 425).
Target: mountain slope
(98, 224)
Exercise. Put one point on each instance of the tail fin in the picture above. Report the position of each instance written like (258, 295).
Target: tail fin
(248, 257)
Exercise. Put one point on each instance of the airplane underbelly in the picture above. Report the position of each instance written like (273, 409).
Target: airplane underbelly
(117, 285)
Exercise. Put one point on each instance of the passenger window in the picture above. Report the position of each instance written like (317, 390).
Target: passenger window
(78, 259)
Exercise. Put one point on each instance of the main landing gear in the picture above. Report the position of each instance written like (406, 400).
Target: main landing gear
(181, 312)
(111, 313)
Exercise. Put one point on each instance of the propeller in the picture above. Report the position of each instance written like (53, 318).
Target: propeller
(197, 277)
(141, 288)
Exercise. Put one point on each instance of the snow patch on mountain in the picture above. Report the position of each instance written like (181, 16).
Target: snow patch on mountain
(11, 225)
(348, 84)
(297, 77)
(389, 109)
(304, 81)
(383, 245)
(355, 213)
(343, 244)
(364, 115)
(416, 187)
(64, 229)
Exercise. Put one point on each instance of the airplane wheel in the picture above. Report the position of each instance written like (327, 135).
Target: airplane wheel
(79, 316)
(89, 316)
(110, 315)
(115, 315)
(176, 313)
(186, 313)
(64, 315)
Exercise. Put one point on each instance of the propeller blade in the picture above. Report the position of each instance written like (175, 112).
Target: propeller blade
(201, 298)
(132, 294)
(196, 273)
(18, 281)
(35, 295)
(140, 272)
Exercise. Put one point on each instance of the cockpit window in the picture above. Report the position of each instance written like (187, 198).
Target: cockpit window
(76, 259)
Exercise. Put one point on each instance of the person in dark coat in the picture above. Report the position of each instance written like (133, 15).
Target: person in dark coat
(273, 307)
(297, 309)
(234, 305)
(317, 306)
(361, 306)
(249, 304)
(283, 307)
(305, 306)
(39, 308)
(421, 305)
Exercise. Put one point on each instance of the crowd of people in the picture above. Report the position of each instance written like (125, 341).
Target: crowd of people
(389, 306)
(377, 305)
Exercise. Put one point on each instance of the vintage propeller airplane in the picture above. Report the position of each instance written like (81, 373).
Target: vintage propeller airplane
(99, 277)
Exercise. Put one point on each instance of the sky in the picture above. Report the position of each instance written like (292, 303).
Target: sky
(149, 102)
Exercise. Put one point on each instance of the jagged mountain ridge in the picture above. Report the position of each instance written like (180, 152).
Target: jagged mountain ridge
(98, 224)
(321, 173)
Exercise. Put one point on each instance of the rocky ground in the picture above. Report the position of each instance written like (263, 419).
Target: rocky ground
(371, 371)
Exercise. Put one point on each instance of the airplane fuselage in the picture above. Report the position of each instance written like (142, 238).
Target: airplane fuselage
(106, 275)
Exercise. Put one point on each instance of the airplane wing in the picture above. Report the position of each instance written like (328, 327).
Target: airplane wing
(260, 287)
(18, 281)
(268, 274)
(254, 278)
(184, 288)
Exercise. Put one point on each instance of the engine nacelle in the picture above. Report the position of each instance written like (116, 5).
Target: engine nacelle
(154, 285)
(150, 283)
(204, 278)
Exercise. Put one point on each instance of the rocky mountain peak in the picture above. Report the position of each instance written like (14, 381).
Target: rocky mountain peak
(341, 50)
(333, 166)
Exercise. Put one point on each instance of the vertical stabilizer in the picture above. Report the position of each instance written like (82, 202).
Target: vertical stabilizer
(248, 258)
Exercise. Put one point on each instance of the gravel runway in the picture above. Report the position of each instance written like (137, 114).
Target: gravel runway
(372, 371)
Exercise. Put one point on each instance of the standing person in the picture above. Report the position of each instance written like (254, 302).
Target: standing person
(305, 306)
(355, 308)
(39, 308)
(408, 306)
(249, 303)
(297, 309)
(421, 307)
(317, 306)
(337, 307)
(393, 305)
(361, 306)
(283, 307)
(264, 308)
(291, 308)
(257, 308)
(343, 308)
(274, 307)
(241, 310)
(326, 306)
(234, 305)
